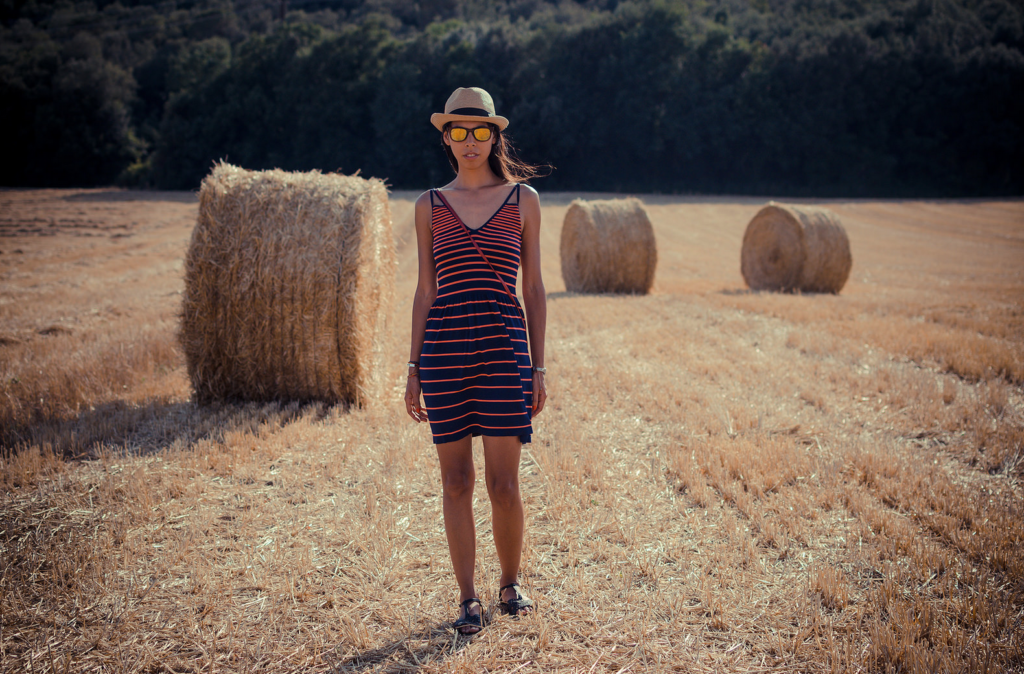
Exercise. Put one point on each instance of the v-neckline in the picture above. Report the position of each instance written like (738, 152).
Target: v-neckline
(451, 210)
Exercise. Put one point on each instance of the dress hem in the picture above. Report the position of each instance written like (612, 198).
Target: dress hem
(525, 438)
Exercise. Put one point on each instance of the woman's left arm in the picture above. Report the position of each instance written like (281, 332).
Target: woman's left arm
(534, 296)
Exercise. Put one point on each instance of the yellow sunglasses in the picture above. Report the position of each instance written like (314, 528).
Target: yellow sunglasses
(459, 134)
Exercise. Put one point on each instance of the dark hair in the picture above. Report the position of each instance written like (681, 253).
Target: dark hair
(502, 160)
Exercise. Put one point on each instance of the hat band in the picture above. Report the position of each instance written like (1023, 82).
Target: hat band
(476, 112)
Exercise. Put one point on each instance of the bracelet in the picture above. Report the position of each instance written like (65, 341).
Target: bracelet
(542, 370)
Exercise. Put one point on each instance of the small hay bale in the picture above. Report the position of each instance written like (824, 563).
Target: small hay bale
(792, 248)
(608, 247)
(289, 281)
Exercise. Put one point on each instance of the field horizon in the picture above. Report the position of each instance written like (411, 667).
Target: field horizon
(723, 480)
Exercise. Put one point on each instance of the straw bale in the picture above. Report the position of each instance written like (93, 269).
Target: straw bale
(608, 246)
(791, 248)
(289, 280)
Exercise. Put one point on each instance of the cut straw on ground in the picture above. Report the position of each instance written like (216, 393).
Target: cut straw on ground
(722, 480)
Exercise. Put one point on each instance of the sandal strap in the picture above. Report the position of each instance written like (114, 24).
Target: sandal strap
(514, 606)
(468, 619)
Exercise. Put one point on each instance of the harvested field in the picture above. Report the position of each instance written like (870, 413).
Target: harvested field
(723, 480)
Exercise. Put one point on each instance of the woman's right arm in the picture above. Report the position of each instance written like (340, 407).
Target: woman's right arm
(426, 293)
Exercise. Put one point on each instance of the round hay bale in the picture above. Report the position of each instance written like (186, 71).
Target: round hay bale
(608, 246)
(795, 248)
(289, 281)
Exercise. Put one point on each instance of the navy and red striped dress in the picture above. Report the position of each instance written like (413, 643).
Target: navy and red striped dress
(475, 367)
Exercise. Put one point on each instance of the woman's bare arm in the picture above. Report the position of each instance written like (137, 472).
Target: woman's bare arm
(426, 293)
(534, 295)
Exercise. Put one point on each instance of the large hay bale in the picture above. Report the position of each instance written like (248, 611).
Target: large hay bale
(792, 248)
(289, 280)
(608, 246)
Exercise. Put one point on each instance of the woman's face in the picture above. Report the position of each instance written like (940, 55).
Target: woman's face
(470, 152)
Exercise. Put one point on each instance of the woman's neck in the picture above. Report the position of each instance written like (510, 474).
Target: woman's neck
(474, 179)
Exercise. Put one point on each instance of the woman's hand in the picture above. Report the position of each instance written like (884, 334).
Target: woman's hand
(540, 393)
(412, 400)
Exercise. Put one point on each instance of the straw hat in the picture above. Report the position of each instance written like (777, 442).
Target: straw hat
(468, 104)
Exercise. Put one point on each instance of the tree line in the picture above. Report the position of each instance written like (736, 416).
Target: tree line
(796, 97)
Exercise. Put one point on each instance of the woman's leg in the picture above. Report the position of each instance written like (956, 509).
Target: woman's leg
(501, 468)
(457, 479)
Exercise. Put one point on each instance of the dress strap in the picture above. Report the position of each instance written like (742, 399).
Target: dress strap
(515, 191)
(431, 198)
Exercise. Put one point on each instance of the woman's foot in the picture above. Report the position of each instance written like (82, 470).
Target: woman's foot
(513, 602)
(470, 619)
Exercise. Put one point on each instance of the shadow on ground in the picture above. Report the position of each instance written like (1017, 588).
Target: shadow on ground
(562, 294)
(133, 195)
(750, 291)
(410, 653)
(152, 426)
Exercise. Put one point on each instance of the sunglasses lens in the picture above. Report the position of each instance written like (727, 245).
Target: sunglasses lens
(459, 134)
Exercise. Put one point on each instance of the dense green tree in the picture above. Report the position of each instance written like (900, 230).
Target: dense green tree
(71, 110)
(854, 97)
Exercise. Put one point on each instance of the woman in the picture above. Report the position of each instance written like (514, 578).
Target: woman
(469, 336)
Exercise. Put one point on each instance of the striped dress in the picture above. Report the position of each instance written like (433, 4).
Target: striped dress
(475, 367)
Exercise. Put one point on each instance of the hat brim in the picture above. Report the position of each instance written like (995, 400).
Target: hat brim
(439, 119)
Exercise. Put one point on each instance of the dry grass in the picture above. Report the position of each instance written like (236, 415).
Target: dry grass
(722, 481)
(88, 316)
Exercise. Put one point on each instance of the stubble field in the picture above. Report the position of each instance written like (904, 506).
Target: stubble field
(723, 481)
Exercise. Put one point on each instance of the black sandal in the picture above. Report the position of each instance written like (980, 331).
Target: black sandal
(515, 606)
(467, 619)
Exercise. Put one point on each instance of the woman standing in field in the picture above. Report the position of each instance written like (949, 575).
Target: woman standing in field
(469, 336)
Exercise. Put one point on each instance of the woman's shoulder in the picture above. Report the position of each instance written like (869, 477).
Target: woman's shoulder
(425, 199)
(424, 208)
(528, 195)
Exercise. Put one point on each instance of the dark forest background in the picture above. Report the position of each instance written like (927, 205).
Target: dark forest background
(793, 97)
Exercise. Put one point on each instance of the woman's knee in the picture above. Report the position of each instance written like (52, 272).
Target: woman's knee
(504, 491)
(458, 483)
